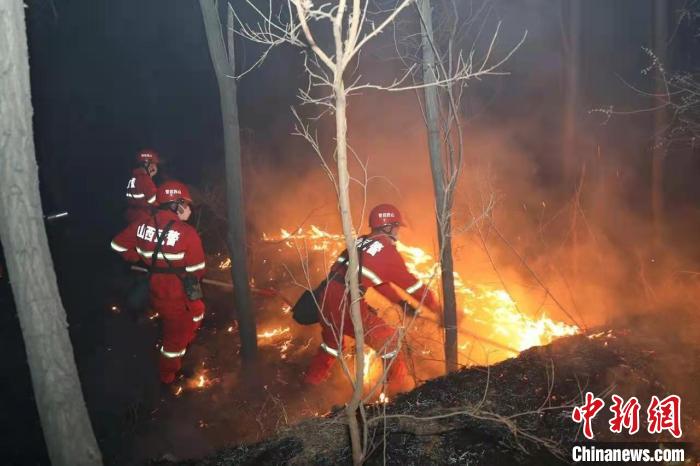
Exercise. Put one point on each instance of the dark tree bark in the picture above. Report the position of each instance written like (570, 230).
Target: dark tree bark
(59, 397)
(443, 193)
(224, 67)
(572, 60)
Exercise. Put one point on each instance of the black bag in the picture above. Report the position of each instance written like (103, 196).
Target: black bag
(193, 288)
(305, 311)
(138, 295)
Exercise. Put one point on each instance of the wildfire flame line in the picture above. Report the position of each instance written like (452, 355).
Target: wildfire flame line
(491, 308)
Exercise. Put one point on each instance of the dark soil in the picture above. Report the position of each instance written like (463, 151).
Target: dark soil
(534, 393)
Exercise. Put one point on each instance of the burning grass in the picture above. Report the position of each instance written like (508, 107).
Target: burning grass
(514, 412)
(485, 310)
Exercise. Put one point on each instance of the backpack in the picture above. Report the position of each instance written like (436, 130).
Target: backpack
(305, 311)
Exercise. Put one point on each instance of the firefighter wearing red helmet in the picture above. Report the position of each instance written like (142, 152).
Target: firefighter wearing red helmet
(380, 265)
(173, 252)
(141, 190)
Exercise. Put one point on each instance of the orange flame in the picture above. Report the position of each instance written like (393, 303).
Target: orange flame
(275, 332)
(491, 309)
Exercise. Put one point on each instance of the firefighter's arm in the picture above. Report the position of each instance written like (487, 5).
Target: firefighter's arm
(406, 282)
(194, 254)
(125, 244)
(149, 189)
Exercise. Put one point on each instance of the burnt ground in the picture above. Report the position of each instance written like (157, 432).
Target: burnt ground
(137, 423)
(533, 394)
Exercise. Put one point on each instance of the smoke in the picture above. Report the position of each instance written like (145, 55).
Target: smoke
(572, 242)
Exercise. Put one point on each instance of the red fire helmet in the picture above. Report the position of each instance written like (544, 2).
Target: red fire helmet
(148, 156)
(384, 214)
(173, 191)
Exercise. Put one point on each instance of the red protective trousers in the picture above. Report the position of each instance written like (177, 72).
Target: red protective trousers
(379, 336)
(180, 321)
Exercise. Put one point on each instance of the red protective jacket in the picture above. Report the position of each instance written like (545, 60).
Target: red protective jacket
(382, 263)
(182, 247)
(140, 195)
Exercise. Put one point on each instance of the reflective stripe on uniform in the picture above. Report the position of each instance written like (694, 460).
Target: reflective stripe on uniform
(329, 350)
(172, 354)
(136, 196)
(373, 277)
(161, 255)
(415, 287)
(118, 248)
(152, 199)
(194, 268)
(197, 318)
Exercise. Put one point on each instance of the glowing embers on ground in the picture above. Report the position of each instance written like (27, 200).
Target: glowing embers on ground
(275, 332)
(279, 337)
(488, 311)
(225, 264)
(198, 382)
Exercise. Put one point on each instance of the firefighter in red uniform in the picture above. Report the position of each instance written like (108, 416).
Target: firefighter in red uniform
(178, 266)
(141, 190)
(380, 265)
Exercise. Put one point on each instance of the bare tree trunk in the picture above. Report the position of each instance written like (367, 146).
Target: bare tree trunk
(572, 58)
(59, 398)
(353, 269)
(572, 55)
(660, 17)
(443, 198)
(224, 66)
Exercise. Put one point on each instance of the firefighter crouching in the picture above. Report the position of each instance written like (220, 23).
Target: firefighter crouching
(141, 190)
(380, 265)
(173, 252)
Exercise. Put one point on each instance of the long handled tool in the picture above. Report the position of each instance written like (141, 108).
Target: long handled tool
(374, 298)
(267, 292)
(378, 301)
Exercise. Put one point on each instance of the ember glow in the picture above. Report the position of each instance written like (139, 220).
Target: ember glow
(372, 367)
(225, 264)
(200, 381)
(486, 310)
(275, 332)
